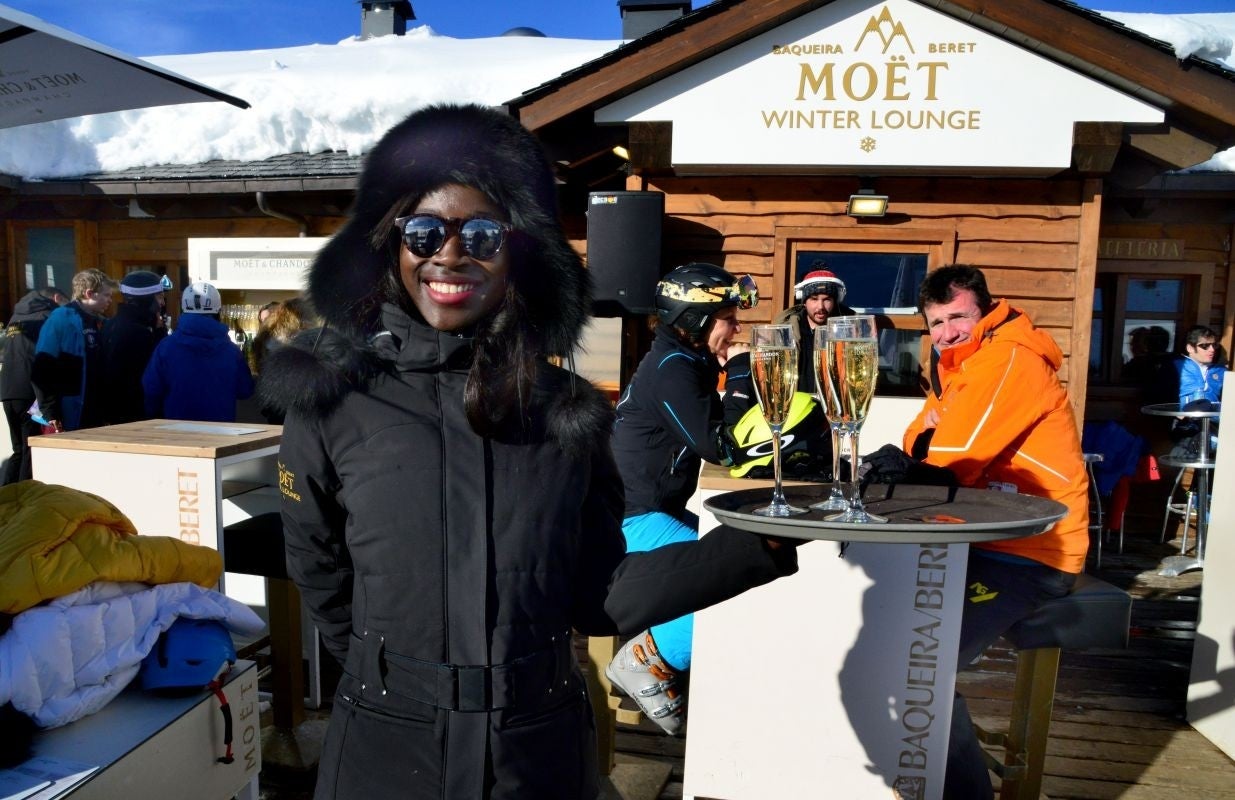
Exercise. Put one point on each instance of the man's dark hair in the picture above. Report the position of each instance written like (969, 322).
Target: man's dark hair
(1198, 332)
(940, 286)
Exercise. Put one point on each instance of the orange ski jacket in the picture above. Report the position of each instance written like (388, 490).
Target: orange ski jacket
(1005, 423)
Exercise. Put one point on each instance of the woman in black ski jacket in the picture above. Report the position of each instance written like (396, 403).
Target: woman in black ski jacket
(450, 504)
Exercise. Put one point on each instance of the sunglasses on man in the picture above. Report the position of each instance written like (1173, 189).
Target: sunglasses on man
(425, 235)
(1205, 345)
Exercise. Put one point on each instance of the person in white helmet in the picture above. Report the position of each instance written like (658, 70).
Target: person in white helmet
(820, 295)
(197, 373)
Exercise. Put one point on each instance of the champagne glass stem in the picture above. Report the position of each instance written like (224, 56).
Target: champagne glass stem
(778, 492)
(855, 461)
(835, 460)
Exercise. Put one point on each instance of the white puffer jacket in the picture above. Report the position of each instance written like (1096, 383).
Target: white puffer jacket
(65, 660)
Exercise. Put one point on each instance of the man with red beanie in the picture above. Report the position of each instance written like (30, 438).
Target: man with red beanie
(820, 295)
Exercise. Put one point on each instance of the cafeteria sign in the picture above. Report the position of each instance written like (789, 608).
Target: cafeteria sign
(857, 84)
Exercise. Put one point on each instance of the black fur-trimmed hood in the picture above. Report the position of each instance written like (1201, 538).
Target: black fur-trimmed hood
(473, 146)
(355, 273)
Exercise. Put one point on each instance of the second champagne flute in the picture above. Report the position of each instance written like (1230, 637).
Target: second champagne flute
(853, 365)
(831, 409)
(774, 365)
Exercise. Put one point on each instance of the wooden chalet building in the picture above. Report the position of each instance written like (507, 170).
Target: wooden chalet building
(1032, 138)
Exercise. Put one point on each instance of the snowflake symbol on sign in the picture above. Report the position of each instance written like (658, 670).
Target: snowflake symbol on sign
(867, 144)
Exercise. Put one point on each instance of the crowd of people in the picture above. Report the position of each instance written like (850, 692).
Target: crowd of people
(455, 505)
(66, 363)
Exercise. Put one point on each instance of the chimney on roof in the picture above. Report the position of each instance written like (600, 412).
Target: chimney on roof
(644, 16)
(382, 18)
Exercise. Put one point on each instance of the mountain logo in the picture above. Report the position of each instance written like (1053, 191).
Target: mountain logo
(887, 29)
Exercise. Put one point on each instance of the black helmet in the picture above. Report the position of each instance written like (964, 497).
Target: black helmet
(690, 294)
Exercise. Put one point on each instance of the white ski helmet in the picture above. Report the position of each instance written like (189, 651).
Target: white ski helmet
(200, 297)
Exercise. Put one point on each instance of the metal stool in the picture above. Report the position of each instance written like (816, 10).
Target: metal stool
(1186, 509)
(1095, 507)
(1093, 614)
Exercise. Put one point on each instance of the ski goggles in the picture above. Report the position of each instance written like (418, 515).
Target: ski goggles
(746, 292)
(425, 234)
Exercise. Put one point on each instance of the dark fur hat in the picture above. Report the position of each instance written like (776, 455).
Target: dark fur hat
(473, 146)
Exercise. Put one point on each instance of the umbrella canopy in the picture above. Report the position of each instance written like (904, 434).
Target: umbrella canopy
(49, 73)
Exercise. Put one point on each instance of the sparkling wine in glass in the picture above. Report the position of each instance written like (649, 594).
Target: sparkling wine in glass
(853, 366)
(774, 366)
(831, 409)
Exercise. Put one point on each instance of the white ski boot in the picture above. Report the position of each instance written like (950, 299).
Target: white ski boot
(640, 672)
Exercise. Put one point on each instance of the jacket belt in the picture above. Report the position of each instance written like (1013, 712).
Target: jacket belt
(523, 683)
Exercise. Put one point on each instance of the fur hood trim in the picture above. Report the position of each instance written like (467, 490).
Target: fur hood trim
(313, 374)
(472, 146)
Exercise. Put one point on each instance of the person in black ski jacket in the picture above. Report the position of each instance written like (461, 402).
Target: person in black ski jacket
(451, 507)
(670, 419)
(129, 339)
(16, 390)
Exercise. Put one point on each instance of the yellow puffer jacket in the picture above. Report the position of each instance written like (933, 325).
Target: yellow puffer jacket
(54, 540)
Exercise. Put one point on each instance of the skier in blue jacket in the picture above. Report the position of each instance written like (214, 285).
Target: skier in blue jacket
(197, 372)
(66, 367)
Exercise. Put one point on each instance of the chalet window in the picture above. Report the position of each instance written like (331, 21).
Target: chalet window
(1138, 320)
(884, 284)
(882, 268)
(49, 259)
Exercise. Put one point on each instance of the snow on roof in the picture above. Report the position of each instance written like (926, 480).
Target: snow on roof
(342, 97)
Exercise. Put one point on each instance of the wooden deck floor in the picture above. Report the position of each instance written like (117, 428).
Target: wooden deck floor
(1118, 728)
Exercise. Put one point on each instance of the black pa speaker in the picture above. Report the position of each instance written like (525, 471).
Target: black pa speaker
(623, 251)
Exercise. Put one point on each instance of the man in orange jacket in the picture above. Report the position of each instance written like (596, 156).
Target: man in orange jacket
(997, 418)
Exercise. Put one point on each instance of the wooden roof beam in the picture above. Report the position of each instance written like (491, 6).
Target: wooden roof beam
(1172, 147)
(651, 147)
(1095, 146)
(659, 58)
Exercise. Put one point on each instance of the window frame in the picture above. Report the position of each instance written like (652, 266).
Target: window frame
(85, 241)
(937, 244)
(1198, 281)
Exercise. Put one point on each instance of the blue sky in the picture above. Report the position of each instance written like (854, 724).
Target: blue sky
(162, 27)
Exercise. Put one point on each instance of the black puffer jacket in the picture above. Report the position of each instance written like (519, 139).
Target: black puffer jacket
(418, 544)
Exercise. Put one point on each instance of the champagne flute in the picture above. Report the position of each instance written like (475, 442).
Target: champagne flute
(774, 364)
(831, 408)
(853, 364)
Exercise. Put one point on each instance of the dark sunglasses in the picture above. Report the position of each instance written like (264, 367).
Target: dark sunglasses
(1204, 345)
(426, 234)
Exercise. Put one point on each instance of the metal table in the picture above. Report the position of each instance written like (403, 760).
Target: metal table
(863, 648)
(1203, 463)
(916, 514)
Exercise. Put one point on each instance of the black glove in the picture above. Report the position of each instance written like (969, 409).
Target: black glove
(890, 464)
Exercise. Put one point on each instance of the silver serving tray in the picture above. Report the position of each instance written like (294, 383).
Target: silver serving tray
(923, 514)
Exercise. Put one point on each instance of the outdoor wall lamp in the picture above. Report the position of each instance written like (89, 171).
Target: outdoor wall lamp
(867, 204)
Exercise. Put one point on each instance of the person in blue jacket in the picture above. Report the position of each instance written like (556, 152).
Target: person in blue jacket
(66, 369)
(197, 373)
(1199, 377)
(669, 420)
